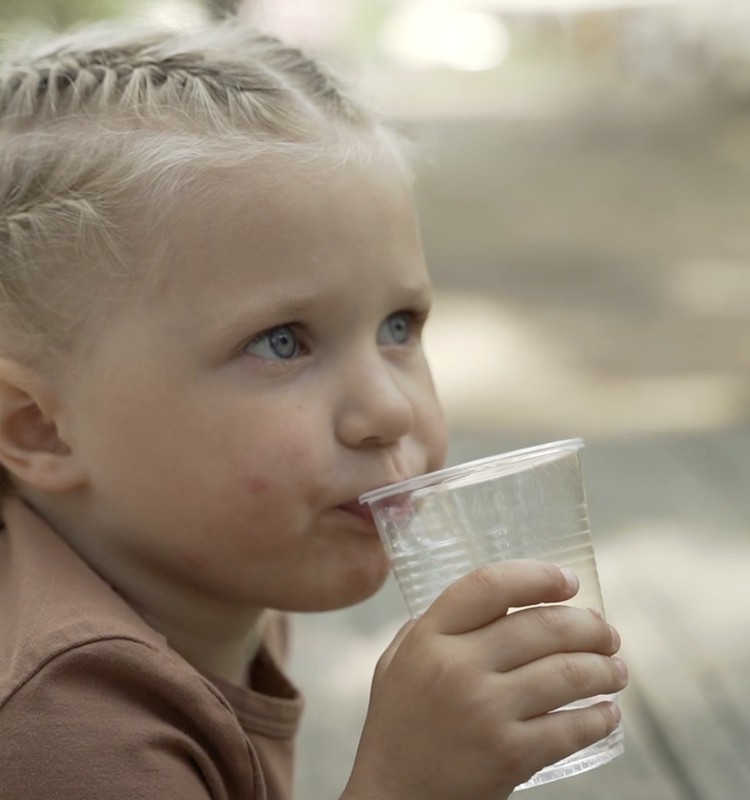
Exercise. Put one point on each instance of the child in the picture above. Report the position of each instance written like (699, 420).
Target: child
(212, 296)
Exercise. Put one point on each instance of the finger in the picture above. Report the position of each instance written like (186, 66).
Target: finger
(550, 683)
(533, 633)
(486, 594)
(553, 737)
(387, 656)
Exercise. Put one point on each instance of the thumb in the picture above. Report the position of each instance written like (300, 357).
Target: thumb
(385, 660)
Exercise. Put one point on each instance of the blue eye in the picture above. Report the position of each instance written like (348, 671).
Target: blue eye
(279, 343)
(397, 329)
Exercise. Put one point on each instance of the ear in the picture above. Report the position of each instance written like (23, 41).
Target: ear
(31, 447)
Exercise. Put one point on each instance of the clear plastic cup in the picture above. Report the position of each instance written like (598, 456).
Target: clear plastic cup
(525, 504)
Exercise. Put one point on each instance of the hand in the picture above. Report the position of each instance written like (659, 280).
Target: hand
(459, 701)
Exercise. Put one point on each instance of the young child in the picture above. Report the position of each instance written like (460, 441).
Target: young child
(212, 295)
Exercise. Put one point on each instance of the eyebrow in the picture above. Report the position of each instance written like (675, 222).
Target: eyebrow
(286, 304)
(289, 306)
(418, 293)
(270, 305)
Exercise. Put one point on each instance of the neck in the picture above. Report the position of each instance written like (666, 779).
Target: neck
(220, 650)
(216, 636)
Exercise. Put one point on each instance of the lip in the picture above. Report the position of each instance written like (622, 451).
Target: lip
(361, 511)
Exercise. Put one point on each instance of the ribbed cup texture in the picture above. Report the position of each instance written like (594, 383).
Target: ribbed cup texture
(438, 534)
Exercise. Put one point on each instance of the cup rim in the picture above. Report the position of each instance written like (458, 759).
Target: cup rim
(537, 453)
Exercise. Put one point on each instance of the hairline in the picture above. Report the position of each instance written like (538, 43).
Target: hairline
(182, 163)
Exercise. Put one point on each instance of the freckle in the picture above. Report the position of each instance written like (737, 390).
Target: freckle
(257, 485)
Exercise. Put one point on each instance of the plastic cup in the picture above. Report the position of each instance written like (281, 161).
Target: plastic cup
(525, 504)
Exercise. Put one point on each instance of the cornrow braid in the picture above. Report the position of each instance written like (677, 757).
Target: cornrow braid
(151, 78)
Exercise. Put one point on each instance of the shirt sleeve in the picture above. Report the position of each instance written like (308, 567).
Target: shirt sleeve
(117, 719)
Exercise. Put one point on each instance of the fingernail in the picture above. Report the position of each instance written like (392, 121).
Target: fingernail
(621, 668)
(616, 713)
(616, 641)
(571, 579)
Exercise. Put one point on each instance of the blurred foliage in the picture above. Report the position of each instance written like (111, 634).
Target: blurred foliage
(57, 14)
(221, 8)
(60, 14)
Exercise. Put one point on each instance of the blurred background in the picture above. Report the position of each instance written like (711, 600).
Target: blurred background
(584, 188)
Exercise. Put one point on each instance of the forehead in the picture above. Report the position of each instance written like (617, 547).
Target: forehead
(278, 223)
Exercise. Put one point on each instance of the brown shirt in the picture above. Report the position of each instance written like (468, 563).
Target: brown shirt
(95, 705)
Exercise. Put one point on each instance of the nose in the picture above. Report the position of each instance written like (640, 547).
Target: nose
(375, 408)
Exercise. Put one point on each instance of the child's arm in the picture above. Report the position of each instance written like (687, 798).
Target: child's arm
(459, 700)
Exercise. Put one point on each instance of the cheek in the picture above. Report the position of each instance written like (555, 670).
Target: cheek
(260, 489)
(438, 448)
(257, 485)
(278, 466)
(433, 430)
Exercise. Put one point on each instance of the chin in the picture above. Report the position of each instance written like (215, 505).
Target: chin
(354, 587)
(366, 591)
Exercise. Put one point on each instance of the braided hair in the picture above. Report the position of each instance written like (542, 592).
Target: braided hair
(229, 76)
(96, 122)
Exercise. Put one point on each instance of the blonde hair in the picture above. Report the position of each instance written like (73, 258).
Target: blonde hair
(96, 119)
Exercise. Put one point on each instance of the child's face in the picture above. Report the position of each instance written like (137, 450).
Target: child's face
(228, 421)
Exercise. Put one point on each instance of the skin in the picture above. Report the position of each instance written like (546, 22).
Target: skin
(207, 458)
(219, 477)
